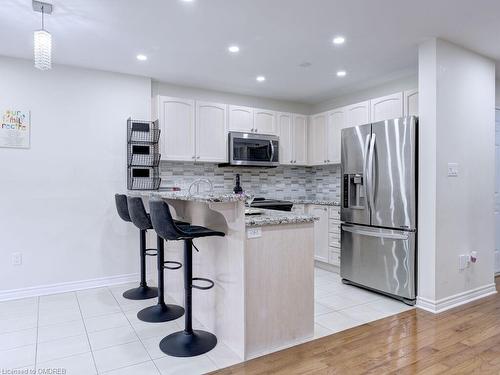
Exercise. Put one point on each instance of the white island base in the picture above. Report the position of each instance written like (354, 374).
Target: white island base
(263, 299)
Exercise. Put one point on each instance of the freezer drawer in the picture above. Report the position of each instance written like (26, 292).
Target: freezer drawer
(380, 259)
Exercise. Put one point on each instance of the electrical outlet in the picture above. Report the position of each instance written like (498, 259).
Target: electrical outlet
(17, 259)
(254, 232)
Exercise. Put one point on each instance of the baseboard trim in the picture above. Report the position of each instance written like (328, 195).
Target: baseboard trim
(71, 286)
(456, 300)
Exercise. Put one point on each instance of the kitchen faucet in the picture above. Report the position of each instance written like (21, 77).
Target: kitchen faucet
(198, 182)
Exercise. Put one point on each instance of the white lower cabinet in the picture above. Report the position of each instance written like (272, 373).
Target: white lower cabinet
(320, 232)
(326, 233)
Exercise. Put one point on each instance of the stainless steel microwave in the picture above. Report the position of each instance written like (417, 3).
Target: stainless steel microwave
(253, 150)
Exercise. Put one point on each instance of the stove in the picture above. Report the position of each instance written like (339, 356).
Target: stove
(272, 204)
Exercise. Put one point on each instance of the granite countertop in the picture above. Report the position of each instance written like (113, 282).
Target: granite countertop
(204, 197)
(315, 200)
(310, 199)
(272, 217)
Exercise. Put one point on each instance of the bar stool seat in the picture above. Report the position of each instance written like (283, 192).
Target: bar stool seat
(189, 342)
(161, 312)
(195, 231)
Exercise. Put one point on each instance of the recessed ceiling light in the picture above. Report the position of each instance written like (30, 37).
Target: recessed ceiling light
(341, 73)
(233, 49)
(339, 40)
(261, 79)
(141, 57)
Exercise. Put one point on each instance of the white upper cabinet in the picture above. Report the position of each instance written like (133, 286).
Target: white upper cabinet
(293, 138)
(211, 132)
(264, 121)
(387, 107)
(357, 114)
(241, 119)
(336, 122)
(285, 123)
(411, 102)
(176, 117)
(316, 147)
(300, 139)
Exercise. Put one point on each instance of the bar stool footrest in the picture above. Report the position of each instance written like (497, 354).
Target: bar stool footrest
(210, 282)
(151, 252)
(176, 266)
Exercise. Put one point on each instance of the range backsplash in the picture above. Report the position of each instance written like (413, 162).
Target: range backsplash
(281, 182)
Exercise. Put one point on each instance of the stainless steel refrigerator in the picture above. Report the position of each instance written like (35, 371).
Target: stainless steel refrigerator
(379, 207)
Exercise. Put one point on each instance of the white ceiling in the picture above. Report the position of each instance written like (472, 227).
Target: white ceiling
(186, 42)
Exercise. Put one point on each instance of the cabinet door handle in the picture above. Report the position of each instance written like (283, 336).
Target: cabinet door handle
(256, 130)
(197, 157)
(193, 157)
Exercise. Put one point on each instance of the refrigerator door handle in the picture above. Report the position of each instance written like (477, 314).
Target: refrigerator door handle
(365, 170)
(371, 194)
(363, 232)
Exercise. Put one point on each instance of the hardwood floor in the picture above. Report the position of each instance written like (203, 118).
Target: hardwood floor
(464, 340)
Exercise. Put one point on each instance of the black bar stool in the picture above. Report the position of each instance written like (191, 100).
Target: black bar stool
(189, 342)
(143, 291)
(161, 312)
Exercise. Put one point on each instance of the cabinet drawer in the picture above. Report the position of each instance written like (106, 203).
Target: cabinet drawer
(334, 256)
(335, 213)
(333, 236)
(334, 225)
(334, 241)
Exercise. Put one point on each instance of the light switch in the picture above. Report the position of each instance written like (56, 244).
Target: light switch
(452, 169)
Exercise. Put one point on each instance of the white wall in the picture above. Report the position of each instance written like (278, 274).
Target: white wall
(57, 198)
(457, 125)
(408, 82)
(168, 89)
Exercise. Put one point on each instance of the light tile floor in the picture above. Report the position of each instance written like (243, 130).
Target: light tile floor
(96, 331)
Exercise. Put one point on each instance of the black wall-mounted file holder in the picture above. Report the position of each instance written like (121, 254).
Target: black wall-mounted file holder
(143, 156)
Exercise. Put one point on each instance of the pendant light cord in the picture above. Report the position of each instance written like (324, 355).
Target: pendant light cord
(43, 24)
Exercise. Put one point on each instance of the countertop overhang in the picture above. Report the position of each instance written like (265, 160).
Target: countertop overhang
(273, 217)
(212, 197)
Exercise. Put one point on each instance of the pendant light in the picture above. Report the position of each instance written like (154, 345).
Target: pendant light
(43, 39)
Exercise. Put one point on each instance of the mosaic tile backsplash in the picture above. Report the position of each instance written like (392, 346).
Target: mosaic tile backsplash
(281, 182)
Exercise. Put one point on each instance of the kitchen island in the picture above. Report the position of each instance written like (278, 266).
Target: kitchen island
(263, 270)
